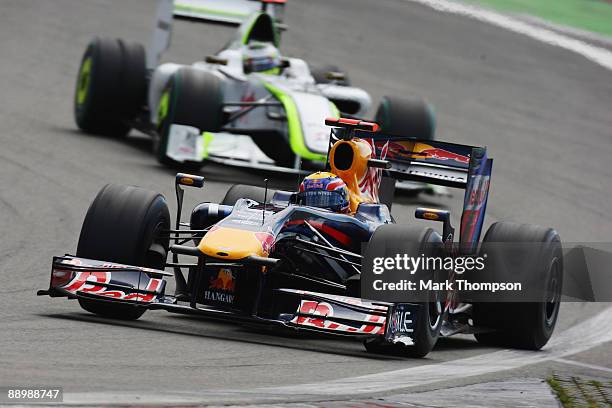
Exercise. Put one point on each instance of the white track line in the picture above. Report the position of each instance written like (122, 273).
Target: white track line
(587, 36)
(598, 55)
(585, 365)
(592, 332)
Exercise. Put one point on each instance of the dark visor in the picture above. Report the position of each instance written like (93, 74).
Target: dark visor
(323, 199)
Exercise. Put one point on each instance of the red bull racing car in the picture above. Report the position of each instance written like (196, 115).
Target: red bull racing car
(299, 260)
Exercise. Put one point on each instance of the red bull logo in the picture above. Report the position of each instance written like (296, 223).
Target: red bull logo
(370, 182)
(224, 281)
(397, 150)
(267, 241)
(441, 154)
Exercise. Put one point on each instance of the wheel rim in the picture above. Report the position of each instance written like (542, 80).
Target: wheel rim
(162, 115)
(435, 314)
(83, 82)
(162, 109)
(552, 293)
(158, 240)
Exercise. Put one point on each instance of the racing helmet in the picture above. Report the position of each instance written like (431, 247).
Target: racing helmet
(324, 190)
(261, 57)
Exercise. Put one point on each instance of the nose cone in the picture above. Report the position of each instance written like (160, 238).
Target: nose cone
(231, 243)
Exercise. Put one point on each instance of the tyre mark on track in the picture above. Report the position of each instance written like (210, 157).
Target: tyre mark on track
(11, 208)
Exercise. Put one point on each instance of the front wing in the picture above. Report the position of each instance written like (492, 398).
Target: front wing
(74, 277)
(79, 278)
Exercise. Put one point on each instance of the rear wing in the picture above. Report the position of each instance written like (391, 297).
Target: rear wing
(227, 11)
(430, 161)
(235, 12)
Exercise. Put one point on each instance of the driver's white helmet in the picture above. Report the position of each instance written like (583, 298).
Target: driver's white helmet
(261, 57)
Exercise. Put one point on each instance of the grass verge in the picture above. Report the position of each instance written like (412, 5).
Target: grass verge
(588, 15)
(575, 392)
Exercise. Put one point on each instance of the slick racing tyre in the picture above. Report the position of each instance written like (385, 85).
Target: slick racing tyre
(319, 73)
(192, 97)
(522, 325)
(406, 117)
(414, 241)
(238, 191)
(124, 225)
(111, 86)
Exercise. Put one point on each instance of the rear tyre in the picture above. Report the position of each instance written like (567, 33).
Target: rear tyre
(111, 86)
(410, 117)
(124, 225)
(238, 191)
(192, 97)
(413, 241)
(522, 325)
(319, 73)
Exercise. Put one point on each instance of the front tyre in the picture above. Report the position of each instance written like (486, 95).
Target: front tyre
(192, 97)
(124, 224)
(111, 86)
(414, 241)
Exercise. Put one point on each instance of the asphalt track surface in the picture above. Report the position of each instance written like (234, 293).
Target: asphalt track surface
(544, 113)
